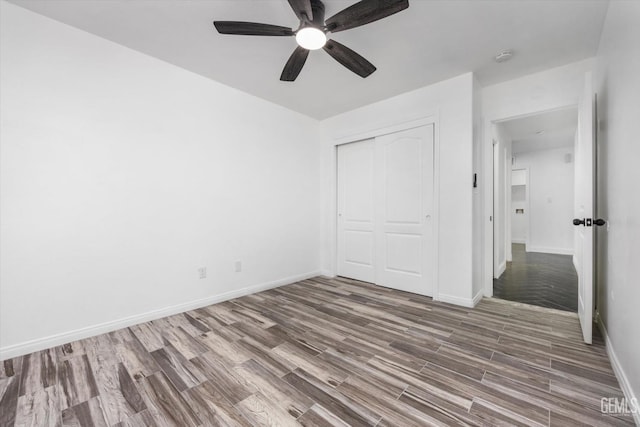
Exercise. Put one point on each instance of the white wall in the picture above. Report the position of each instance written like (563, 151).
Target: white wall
(122, 174)
(450, 104)
(547, 90)
(519, 221)
(551, 199)
(617, 84)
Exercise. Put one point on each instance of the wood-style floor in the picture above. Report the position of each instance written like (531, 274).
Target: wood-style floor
(321, 352)
(546, 280)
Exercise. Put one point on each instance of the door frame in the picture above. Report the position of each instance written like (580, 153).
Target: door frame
(527, 209)
(431, 119)
(488, 209)
(501, 153)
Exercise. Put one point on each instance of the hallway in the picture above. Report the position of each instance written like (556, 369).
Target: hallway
(546, 280)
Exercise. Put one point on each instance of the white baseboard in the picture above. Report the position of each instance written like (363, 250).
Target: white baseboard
(27, 347)
(464, 302)
(625, 385)
(547, 250)
(520, 241)
(327, 273)
(501, 269)
(478, 297)
(575, 262)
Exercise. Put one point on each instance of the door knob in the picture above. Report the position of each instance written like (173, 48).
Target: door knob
(589, 221)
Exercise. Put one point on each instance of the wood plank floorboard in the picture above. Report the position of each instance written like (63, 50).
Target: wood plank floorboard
(322, 352)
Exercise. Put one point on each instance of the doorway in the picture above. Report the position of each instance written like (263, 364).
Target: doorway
(534, 175)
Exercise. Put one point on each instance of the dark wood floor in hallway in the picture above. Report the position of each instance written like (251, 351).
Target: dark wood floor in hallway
(546, 280)
(321, 352)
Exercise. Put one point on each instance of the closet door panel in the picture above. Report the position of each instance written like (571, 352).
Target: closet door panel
(404, 203)
(356, 240)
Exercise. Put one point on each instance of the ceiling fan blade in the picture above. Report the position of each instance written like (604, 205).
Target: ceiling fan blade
(364, 12)
(294, 64)
(349, 58)
(251, 29)
(302, 8)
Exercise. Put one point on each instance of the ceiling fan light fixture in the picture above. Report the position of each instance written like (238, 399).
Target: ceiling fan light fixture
(311, 38)
(311, 35)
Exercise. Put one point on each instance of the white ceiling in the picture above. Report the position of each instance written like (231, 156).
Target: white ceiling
(431, 41)
(558, 130)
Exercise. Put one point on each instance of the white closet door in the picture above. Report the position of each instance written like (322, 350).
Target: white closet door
(356, 247)
(404, 210)
(385, 210)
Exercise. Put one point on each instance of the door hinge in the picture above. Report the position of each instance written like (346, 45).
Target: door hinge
(589, 222)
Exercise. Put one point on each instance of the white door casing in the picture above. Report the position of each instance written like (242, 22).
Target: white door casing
(385, 210)
(584, 208)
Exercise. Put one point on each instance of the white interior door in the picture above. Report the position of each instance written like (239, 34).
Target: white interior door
(404, 210)
(584, 208)
(385, 210)
(356, 247)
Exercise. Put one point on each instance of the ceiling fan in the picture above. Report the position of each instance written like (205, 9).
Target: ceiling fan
(313, 29)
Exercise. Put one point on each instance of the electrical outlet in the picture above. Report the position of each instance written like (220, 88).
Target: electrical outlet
(202, 272)
(238, 266)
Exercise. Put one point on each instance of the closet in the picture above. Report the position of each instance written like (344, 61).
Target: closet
(385, 210)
